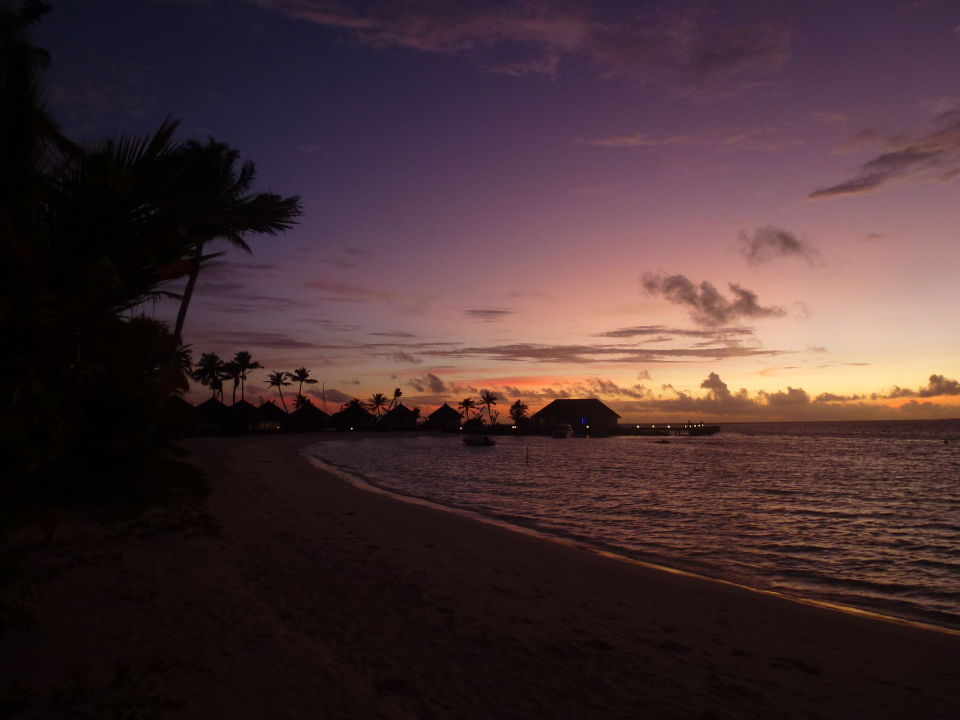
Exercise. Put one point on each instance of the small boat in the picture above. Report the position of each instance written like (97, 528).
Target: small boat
(477, 441)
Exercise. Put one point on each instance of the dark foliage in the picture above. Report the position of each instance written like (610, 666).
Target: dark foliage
(89, 234)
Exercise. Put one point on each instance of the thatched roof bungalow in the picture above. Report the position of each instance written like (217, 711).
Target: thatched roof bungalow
(582, 415)
(400, 417)
(444, 418)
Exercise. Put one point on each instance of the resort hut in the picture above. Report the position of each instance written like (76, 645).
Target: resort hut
(400, 417)
(444, 418)
(243, 417)
(309, 418)
(179, 417)
(214, 417)
(270, 418)
(352, 418)
(587, 415)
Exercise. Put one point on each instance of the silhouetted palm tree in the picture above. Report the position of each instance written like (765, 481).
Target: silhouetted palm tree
(488, 399)
(245, 363)
(301, 375)
(466, 405)
(518, 411)
(278, 380)
(397, 392)
(218, 206)
(209, 372)
(354, 404)
(232, 372)
(377, 402)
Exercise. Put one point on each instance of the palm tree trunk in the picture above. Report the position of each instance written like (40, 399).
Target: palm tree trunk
(187, 295)
(282, 401)
(242, 396)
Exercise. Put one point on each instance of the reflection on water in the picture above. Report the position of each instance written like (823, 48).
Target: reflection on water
(864, 514)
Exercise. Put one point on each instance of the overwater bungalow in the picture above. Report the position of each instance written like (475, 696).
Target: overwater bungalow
(443, 418)
(584, 416)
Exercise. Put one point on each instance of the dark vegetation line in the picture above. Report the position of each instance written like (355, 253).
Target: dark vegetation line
(91, 232)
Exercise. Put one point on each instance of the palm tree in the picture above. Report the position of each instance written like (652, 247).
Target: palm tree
(217, 204)
(466, 405)
(354, 404)
(397, 392)
(488, 399)
(301, 375)
(232, 372)
(244, 363)
(377, 401)
(518, 411)
(209, 372)
(278, 380)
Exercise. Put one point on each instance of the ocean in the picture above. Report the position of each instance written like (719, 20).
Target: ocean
(861, 514)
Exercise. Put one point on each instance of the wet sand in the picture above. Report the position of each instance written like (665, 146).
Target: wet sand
(316, 599)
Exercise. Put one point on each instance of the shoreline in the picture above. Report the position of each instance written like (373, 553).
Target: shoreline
(315, 598)
(584, 546)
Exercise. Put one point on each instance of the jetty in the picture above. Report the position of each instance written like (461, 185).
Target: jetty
(665, 430)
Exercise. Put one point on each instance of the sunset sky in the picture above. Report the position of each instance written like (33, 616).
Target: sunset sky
(691, 210)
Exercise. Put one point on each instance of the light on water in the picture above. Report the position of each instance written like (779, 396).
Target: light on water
(861, 514)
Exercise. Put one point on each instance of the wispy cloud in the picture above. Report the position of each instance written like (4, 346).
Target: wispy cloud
(902, 158)
(488, 314)
(696, 51)
(720, 139)
(582, 354)
(662, 332)
(707, 306)
(769, 243)
(270, 340)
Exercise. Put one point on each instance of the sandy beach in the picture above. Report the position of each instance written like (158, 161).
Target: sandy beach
(301, 596)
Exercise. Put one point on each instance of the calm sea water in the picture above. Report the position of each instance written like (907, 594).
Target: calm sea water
(862, 514)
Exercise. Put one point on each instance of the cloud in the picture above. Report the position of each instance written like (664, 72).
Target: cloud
(399, 335)
(661, 333)
(769, 243)
(693, 50)
(429, 383)
(332, 395)
(488, 314)
(936, 386)
(723, 139)
(270, 340)
(903, 159)
(583, 354)
(707, 306)
(404, 357)
(792, 396)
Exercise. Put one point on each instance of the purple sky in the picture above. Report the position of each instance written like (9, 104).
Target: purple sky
(737, 210)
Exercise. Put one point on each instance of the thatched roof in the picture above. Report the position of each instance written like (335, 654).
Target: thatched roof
(571, 411)
(268, 412)
(443, 414)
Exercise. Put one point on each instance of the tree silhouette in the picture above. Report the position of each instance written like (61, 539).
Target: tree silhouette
(244, 363)
(278, 380)
(466, 405)
(354, 404)
(488, 399)
(210, 372)
(218, 205)
(377, 402)
(397, 392)
(301, 375)
(518, 411)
